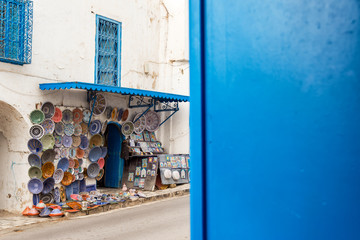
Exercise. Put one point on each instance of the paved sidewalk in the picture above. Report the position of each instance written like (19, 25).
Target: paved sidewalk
(9, 222)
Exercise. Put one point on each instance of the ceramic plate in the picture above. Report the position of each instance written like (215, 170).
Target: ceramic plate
(108, 112)
(152, 121)
(77, 129)
(34, 160)
(35, 145)
(93, 170)
(64, 152)
(57, 116)
(114, 114)
(49, 184)
(86, 116)
(139, 125)
(77, 115)
(58, 140)
(35, 172)
(37, 116)
(57, 195)
(95, 154)
(48, 156)
(67, 116)
(59, 128)
(72, 152)
(47, 170)
(100, 104)
(84, 128)
(69, 129)
(120, 113)
(96, 141)
(95, 127)
(37, 131)
(35, 186)
(125, 115)
(127, 128)
(48, 109)
(67, 141)
(58, 175)
(63, 164)
(76, 140)
(84, 142)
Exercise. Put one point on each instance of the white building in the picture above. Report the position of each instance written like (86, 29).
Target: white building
(153, 52)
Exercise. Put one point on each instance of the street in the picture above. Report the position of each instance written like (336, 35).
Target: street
(167, 219)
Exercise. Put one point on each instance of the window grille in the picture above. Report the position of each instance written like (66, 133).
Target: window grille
(16, 19)
(108, 52)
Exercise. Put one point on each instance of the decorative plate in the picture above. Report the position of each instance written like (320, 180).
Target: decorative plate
(48, 109)
(86, 116)
(72, 152)
(57, 195)
(58, 175)
(69, 129)
(37, 131)
(67, 141)
(77, 129)
(67, 179)
(48, 126)
(84, 142)
(47, 198)
(58, 140)
(86, 153)
(71, 163)
(62, 194)
(127, 128)
(96, 141)
(93, 170)
(63, 164)
(104, 152)
(76, 141)
(37, 116)
(152, 121)
(34, 160)
(139, 125)
(80, 153)
(77, 115)
(36, 198)
(104, 126)
(95, 154)
(120, 113)
(47, 170)
(35, 172)
(49, 184)
(64, 152)
(71, 170)
(48, 156)
(57, 153)
(77, 164)
(95, 127)
(108, 112)
(59, 128)
(100, 104)
(84, 128)
(35, 186)
(125, 115)
(35, 145)
(114, 114)
(67, 116)
(57, 116)
(101, 162)
(100, 175)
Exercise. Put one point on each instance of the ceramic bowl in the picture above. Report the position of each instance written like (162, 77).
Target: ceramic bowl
(35, 172)
(35, 186)
(76, 141)
(57, 153)
(57, 195)
(37, 131)
(93, 170)
(48, 156)
(58, 140)
(77, 129)
(104, 152)
(139, 125)
(84, 128)
(48, 109)
(49, 184)
(48, 141)
(69, 129)
(37, 116)
(47, 170)
(57, 115)
(35, 145)
(58, 175)
(67, 116)
(47, 198)
(101, 162)
(48, 125)
(59, 128)
(63, 164)
(86, 116)
(80, 153)
(36, 198)
(125, 115)
(72, 152)
(67, 179)
(84, 142)
(114, 113)
(62, 194)
(71, 163)
(34, 160)
(100, 175)
(64, 152)
(120, 113)
(127, 128)
(67, 141)
(152, 121)
(100, 104)
(77, 164)
(95, 127)
(104, 126)
(95, 154)
(45, 212)
(81, 176)
(96, 141)
(77, 115)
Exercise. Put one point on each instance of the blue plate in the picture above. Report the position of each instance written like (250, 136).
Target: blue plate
(49, 184)
(57, 195)
(36, 199)
(63, 164)
(67, 141)
(94, 154)
(84, 142)
(35, 186)
(34, 145)
(45, 212)
(95, 127)
(93, 170)
(104, 152)
(34, 160)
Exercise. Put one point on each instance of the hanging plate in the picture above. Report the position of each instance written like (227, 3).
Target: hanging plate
(47, 170)
(77, 129)
(152, 121)
(125, 115)
(95, 127)
(47, 198)
(86, 116)
(67, 116)
(37, 116)
(76, 140)
(48, 141)
(139, 125)
(35, 186)
(62, 194)
(100, 104)
(72, 152)
(57, 195)
(127, 128)
(114, 114)
(67, 141)
(48, 109)
(37, 131)
(57, 116)
(58, 175)
(34, 160)
(93, 170)
(69, 129)
(58, 140)
(84, 128)
(84, 142)
(48, 156)
(120, 113)
(108, 112)
(35, 145)
(59, 128)
(64, 152)
(77, 115)
(48, 126)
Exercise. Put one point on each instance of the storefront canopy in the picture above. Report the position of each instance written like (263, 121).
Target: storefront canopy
(121, 90)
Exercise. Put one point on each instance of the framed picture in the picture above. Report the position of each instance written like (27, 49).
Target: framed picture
(142, 183)
(136, 182)
(131, 177)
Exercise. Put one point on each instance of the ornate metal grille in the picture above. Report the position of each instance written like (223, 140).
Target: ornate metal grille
(108, 52)
(16, 20)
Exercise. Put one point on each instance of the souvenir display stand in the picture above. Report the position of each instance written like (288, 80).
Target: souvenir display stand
(174, 168)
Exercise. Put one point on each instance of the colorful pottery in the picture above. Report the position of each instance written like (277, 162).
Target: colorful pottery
(71, 170)
(37, 131)
(84, 142)
(37, 116)
(67, 141)
(48, 141)
(120, 113)
(34, 172)
(34, 160)
(57, 115)
(100, 175)
(62, 194)
(59, 128)
(152, 121)
(48, 109)
(77, 115)
(58, 140)
(57, 153)
(67, 116)
(80, 153)
(69, 129)
(100, 104)
(67, 179)
(47, 198)
(104, 152)
(72, 152)
(47, 170)
(139, 125)
(26, 211)
(49, 184)
(86, 116)
(33, 212)
(35, 186)
(35, 145)
(80, 164)
(125, 115)
(48, 156)
(57, 195)
(58, 175)
(95, 127)
(63, 164)
(77, 129)
(108, 111)
(36, 199)
(96, 141)
(76, 140)
(81, 176)
(94, 154)
(93, 170)
(127, 128)
(48, 125)
(114, 114)
(41, 205)
(84, 128)
(45, 212)
(76, 163)
(64, 153)
(101, 162)
(71, 163)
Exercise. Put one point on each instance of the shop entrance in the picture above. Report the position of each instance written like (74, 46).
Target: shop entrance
(114, 163)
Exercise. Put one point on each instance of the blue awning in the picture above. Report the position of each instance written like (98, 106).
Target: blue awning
(124, 91)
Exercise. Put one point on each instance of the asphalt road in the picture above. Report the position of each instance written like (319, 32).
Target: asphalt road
(168, 219)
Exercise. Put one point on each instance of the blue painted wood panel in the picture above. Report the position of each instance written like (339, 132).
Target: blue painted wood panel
(280, 82)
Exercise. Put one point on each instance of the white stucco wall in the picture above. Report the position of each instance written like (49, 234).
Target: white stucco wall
(154, 34)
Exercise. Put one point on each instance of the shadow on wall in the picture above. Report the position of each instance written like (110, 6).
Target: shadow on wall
(13, 159)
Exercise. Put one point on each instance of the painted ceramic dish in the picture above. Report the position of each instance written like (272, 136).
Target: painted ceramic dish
(67, 179)
(93, 170)
(104, 152)
(35, 186)
(41, 205)
(58, 140)
(57, 115)
(96, 141)
(152, 121)
(77, 115)
(59, 128)
(84, 128)
(64, 152)
(62, 194)
(63, 164)
(57, 153)
(34, 160)
(67, 116)
(86, 116)
(101, 162)
(45, 212)
(100, 104)
(33, 212)
(34, 172)
(48, 156)
(120, 113)
(127, 128)
(47, 198)
(67, 141)
(139, 123)
(71, 163)
(48, 141)
(34, 145)
(80, 153)
(108, 111)
(114, 114)
(100, 175)
(47, 170)
(57, 195)
(49, 184)
(77, 164)
(48, 109)
(95, 154)
(37, 131)
(125, 115)
(69, 129)
(77, 129)
(72, 152)
(36, 198)
(84, 142)
(58, 175)
(37, 116)
(48, 125)
(95, 127)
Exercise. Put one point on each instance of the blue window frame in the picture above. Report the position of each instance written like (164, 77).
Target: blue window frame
(108, 52)
(16, 19)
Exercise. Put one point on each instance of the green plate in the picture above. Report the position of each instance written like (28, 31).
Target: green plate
(37, 116)
(35, 172)
(48, 141)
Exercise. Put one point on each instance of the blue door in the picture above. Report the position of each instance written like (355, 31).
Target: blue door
(114, 164)
(275, 119)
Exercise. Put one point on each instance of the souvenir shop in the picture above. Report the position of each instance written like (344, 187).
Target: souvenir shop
(75, 150)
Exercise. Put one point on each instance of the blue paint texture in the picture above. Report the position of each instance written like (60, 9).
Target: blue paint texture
(282, 119)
